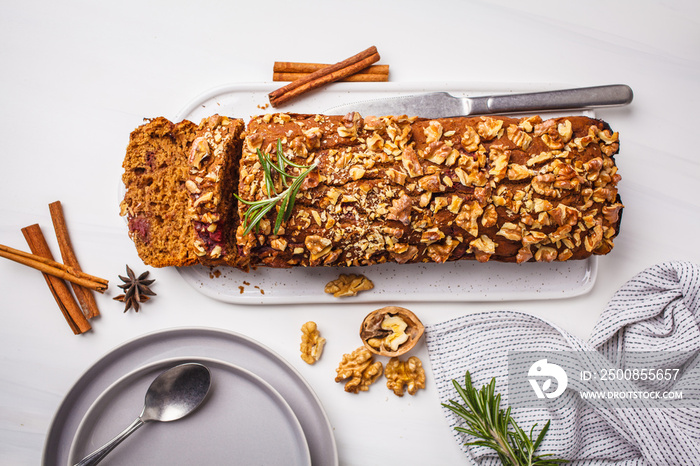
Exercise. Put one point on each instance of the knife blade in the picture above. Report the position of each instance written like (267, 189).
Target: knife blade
(443, 104)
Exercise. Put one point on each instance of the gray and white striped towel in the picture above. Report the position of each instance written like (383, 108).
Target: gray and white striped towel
(657, 310)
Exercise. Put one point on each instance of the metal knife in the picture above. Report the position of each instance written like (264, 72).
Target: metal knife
(442, 104)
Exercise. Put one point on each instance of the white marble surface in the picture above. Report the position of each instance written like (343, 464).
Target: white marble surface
(78, 76)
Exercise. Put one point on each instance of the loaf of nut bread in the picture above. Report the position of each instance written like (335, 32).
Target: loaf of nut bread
(179, 181)
(406, 190)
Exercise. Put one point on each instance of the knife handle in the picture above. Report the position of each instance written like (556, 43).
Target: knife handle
(585, 97)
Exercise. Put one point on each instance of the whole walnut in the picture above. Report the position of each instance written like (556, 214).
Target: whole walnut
(391, 331)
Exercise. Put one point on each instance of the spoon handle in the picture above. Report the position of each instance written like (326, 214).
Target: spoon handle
(97, 455)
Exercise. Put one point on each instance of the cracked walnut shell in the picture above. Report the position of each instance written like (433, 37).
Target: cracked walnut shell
(360, 367)
(311, 343)
(405, 375)
(391, 331)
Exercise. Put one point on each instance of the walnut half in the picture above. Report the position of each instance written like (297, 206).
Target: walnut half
(391, 331)
(361, 368)
(405, 375)
(348, 285)
(311, 343)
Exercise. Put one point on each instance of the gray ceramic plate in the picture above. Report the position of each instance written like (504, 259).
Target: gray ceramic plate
(191, 343)
(241, 419)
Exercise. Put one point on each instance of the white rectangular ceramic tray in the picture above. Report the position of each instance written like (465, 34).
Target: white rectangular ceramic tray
(456, 281)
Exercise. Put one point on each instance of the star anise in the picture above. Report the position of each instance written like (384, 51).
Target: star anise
(136, 289)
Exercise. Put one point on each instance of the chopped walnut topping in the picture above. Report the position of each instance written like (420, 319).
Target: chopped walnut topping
(604, 194)
(565, 131)
(490, 216)
(594, 239)
(499, 157)
(607, 137)
(564, 215)
(348, 285)
(468, 216)
(612, 213)
(533, 237)
(192, 187)
(403, 253)
(357, 172)
(375, 142)
(455, 204)
(440, 203)
(430, 183)
(281, 118)
(484, 244)
(400, 209)
(311, 343)
(541, 205)
(360, 367)
(545, 254)
(411, 163)
(542, 157)
(345, 132)
(510, 231)
(470, 139)
(519, 137)
(544, 185)
(440, 252)
(317, 246)
(199, 248)
(561, 233)
(438, 152)
(372, 123)
(528, 124)
(278, 243)
(488, 128)
(313, 136)
(518, 172)
(593, 168)
(566, 254)
(405, 375)
(524, 254)
(553, 142)
(433, 132)
(200, 151)
(431, 235)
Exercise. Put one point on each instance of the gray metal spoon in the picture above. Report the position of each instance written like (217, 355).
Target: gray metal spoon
(172, 395)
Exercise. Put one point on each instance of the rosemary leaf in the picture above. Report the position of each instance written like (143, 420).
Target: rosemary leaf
(265, 164)
(494, 427)
(257, 210)
(281, 162)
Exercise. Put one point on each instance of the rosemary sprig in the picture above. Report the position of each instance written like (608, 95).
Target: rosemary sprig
(495, 428)
(257, 210)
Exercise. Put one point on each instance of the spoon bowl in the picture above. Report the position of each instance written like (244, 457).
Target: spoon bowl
(176, 392)
(173, 395)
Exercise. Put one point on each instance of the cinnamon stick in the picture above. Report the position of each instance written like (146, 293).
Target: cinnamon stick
(301, 67)
(53, 268)
(61, 293)
(354, 78)
(84, 296)
(324, 76)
